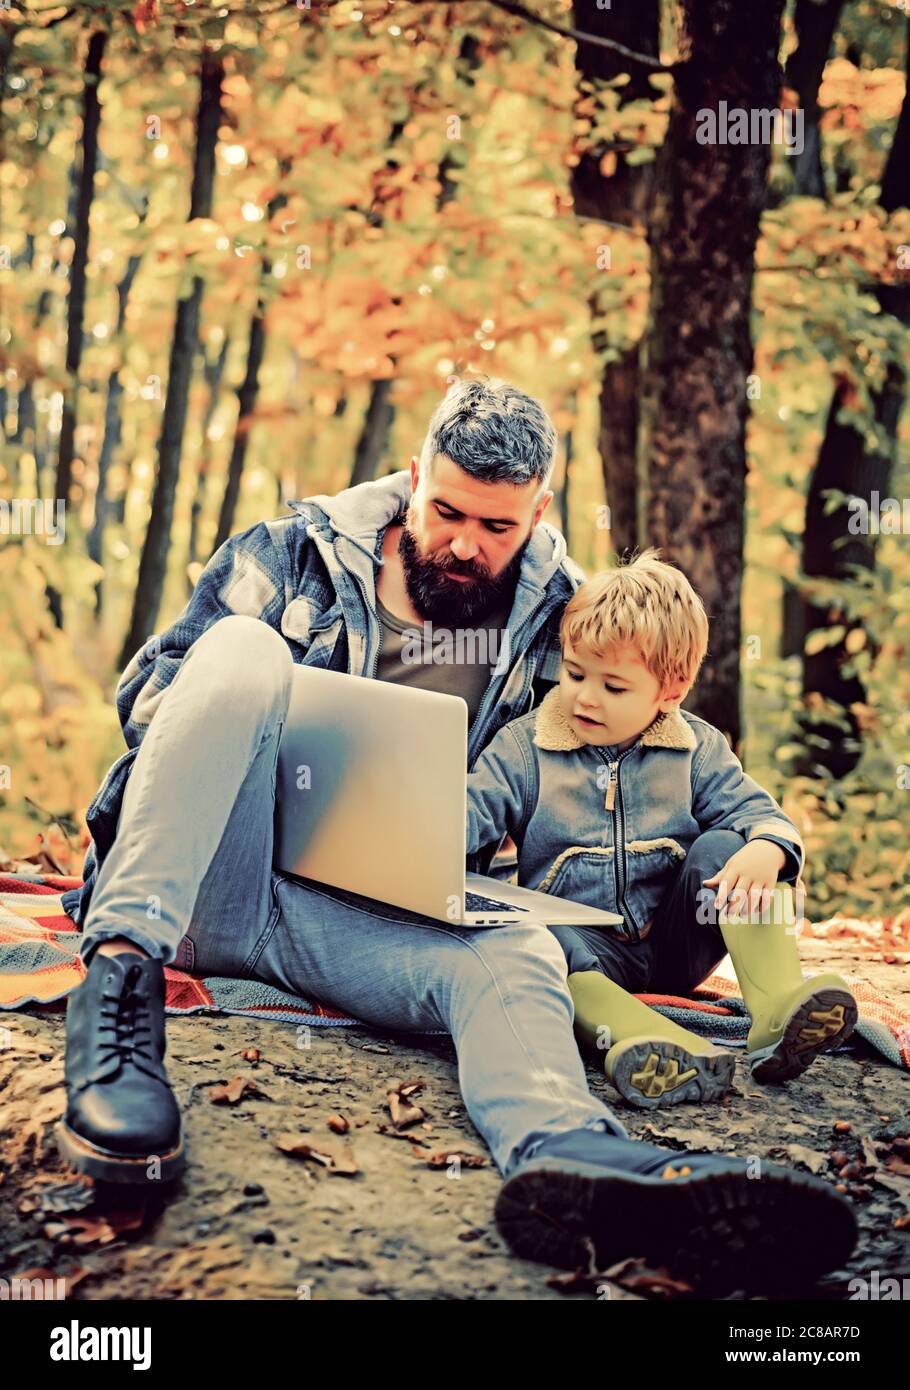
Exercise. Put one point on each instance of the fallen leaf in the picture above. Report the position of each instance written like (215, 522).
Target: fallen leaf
(231, 1092)
(895, 1183)
(637, 1277)
(695, 1140)
(442, 1157)
(28, 1117)
(337, 1158)
(402, 1109)
(413, 1139)
(869, 1153)
(799, 1153)
(92, 1230)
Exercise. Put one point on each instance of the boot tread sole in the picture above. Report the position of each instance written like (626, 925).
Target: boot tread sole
(721, 1231)
(819, 1024)
(655, 1072)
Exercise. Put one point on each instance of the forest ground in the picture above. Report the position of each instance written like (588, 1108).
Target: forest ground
(250, 1221)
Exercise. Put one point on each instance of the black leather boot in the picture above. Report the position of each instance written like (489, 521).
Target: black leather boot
(122, 1122)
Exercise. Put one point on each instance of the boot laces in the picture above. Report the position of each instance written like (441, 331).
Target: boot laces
(125, 1028)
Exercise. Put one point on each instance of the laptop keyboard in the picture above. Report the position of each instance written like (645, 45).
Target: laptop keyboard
(476, 902)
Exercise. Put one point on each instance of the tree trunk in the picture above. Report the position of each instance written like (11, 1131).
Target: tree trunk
(374, 435)
(153, 564)
(815, 25)
(213, 372)
(625, 197)
(8, 33)
(246, 395)
(847, 462)
(565, 492)
(47, 303)
(111, 441)
(25, 401)
(698, 348)
(91, 120)
(617, 442)
(27, 417)
(380, 412)
(249, 391)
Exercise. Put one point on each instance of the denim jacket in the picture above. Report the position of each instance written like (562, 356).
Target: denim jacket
(312, 577)
(609, 829)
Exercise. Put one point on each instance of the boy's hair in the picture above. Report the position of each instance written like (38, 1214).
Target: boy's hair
(647, 603)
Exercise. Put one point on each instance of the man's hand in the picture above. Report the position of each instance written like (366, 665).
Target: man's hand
(748, 877)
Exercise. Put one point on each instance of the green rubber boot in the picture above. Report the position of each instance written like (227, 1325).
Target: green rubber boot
(793, 1018)
(649, 1059)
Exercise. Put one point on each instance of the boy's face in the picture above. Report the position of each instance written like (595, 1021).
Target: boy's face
(613, 698)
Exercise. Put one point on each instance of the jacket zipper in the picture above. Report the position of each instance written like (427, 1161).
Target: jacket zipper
(619, 834)
(479, 735)
(372, 622)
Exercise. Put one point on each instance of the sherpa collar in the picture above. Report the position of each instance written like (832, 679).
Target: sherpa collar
(553, 732)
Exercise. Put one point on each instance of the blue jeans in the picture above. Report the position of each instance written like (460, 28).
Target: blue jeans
(189, 878)
(679, 950)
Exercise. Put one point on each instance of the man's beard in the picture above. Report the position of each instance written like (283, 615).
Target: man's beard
(447, 601)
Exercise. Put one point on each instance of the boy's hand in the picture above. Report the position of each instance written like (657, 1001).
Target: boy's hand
(748, 877)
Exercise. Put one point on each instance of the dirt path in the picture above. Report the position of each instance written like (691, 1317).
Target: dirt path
(250, 1221)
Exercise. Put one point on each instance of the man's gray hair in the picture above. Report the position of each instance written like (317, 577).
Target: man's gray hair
(494, 432)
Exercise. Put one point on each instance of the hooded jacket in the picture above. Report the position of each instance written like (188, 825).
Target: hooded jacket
(312, 577)
(607, 828)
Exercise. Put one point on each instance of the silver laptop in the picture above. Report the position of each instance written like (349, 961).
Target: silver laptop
(371, 797)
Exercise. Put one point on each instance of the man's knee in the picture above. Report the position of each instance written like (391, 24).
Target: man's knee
(243, 633)
(523, 951)
(252, 657)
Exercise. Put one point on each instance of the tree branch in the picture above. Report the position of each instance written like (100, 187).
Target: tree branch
(640, 60)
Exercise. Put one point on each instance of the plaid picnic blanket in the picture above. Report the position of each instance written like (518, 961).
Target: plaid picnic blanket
(39, 965)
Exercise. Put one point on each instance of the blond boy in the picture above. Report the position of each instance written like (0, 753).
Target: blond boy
(617, 797)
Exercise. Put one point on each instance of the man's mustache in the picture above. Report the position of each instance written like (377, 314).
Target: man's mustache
(469, 570)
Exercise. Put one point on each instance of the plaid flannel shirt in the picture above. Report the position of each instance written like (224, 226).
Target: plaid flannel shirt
(312, 577)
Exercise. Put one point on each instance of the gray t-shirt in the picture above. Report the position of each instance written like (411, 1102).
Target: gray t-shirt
(456, 661)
